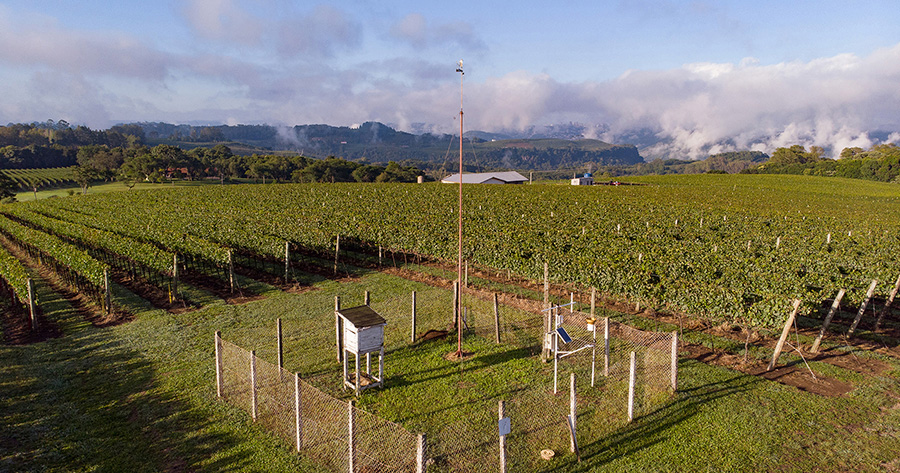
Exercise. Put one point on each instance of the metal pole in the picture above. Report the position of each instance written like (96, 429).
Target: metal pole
(459, 275)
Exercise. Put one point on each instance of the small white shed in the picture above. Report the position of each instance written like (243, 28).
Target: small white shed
(363, 333)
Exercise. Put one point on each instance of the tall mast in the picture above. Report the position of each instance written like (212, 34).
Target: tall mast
(459, 277)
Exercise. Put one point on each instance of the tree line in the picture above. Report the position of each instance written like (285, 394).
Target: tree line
(878, 163)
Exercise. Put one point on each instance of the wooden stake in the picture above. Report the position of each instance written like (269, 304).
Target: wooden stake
(298, 416)
(632, 379)
(253, 400)
(351, 437)
(501, 411)
(366, 298)
(220, 381)
(862, 308)
(32, 309)
(546, 285)
(174, 277)
(337, 249)
(834, 308)
(784, 334)
(887, 305)
(496, 320)
(673, 369)
(573, 420)
(287, 260)
(421, 457)
(412, 333)
(605, 346)
(231, 270)
(279, 343)
(107, 297)
(593, 300)
(338, 330)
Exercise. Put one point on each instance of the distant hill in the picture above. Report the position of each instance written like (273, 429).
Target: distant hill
(379, 143)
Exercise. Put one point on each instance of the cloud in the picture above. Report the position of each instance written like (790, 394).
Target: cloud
(319, 33)
(223, 20)
(414, 30)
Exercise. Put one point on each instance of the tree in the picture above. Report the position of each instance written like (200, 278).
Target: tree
(85, 176)
(7, 188)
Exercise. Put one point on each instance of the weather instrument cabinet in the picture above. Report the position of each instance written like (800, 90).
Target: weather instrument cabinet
(363, 334)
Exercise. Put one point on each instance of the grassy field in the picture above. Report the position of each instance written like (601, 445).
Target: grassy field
(140, 397)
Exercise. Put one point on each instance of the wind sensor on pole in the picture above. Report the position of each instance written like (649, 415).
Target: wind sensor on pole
(458, 302)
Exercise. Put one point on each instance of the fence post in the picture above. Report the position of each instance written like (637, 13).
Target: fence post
(501, 411)
(674, 362)
(496, 320)
(862, 307)
(887, 304)
(784, 334)
(593, 300)
(606, 346)
(31, 305)
(366, 298)
(253, 406)
(338, 330)
(351, 440)
(546, 286)
(574, 422)
(420, 454)
(457, 303)
(220, 381)
(412, 333)
(834, 308)
(298, 416)
(632, 379)
(280, 344)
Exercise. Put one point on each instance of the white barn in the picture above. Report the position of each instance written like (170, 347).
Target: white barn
(508, 177)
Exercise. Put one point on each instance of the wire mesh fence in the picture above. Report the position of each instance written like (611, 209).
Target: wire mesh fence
(611, 389)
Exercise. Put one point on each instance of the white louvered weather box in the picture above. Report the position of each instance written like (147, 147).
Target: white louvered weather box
(363, 334)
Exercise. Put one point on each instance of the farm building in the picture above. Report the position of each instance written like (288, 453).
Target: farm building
(509, 177)
(586, 180)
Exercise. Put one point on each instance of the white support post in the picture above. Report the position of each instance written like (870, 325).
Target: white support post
(253, 398)
(220, 381)
(555, 342)
(593, 300)
(231, 270)
(834, 308)
(632, 380)
(862, 308)
(888, 303)
(673, 370)
(594, 354)
(298, 414)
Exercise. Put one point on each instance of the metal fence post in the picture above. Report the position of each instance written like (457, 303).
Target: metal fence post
(632, 379)
(674, 362)
(412, 333)
(298, 416)
(280, 343)
(351, 441)
(420, 454)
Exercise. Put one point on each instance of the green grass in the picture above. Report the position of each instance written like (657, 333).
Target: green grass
(102, 188)
(141, 397)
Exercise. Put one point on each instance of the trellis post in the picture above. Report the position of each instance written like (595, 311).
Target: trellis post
(412, 333)
(632, 380)
(834, 308)
(280, 343)
(107, 296)
(298, 416)
(887, 304)
(673, 370)
(337, 249)
(253, 398)
(231, 270)
(287, 260)
(862, 308)
(784, 334)
(174, 295)
(496, 320)
(32, 310)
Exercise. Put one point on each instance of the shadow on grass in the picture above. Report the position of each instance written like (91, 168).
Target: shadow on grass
(650, 429)
(86, 402)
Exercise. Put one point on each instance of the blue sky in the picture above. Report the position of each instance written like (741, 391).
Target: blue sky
(702, 76)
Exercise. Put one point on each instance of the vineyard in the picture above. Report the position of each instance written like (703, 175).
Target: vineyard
(179, 264)
(734, 248)
(47, 177)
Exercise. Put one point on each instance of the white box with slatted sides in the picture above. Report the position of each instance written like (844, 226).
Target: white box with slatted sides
(363, 334)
